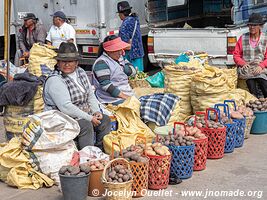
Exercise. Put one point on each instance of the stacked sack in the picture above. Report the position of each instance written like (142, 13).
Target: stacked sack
(208, 88)
(178, 80)
(41, 62)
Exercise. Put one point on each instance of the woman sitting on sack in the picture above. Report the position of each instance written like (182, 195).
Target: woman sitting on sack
(69, 91)
(111, 72)
(251, 56)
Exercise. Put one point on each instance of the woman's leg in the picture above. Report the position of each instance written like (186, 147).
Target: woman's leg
(102, 130)
(87, 135)
(263, 86)
(252, 86)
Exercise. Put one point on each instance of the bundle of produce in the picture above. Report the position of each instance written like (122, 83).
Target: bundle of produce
(117, 179)
(139, 80)
(258, 105)
(157, 149)
(69, 170)
(133, 153)
(96, 165)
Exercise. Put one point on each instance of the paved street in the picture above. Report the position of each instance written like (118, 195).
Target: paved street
(245, 170)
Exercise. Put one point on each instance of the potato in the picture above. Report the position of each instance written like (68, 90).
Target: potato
(117, 168)
(63, 169)
(125, 177)
(75, 170)
(157, 144)
(150, 152)
(122, 171)
(85, 168)
(160, 151)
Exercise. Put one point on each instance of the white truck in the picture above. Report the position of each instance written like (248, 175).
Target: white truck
(217, 25)
(93, 20)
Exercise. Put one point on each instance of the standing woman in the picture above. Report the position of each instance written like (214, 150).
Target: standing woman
(130, 32)
(250, 55)
(111, 72)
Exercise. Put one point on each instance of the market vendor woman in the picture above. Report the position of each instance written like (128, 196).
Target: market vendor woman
(251, 56)
(69, 91)
(111, 72)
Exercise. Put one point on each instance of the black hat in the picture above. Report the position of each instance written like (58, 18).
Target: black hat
(67, 52)
(59, 14)
(29, 16)
(123, 6)
(255, 19)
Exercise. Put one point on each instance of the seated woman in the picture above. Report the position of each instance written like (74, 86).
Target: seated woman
(69, 91)
(250, 55)
(111, 72)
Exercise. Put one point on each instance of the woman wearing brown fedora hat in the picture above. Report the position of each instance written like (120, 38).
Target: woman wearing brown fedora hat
(69, 91)
(111, 72)
(250, 55)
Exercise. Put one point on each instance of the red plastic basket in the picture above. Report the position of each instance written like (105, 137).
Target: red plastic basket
(216, 137)
(159, 172)
(201, 153)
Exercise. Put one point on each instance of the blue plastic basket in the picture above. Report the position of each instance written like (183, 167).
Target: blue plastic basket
(241, 126)
(240, 134)
(231, 129)
(182, 161)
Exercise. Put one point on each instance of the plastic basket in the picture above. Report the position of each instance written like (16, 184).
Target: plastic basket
(159, 172)
(241, 125)
(216, 137)
(201, 152)
(231, 129)
(140, 172)
(182, 159)
(249, 122)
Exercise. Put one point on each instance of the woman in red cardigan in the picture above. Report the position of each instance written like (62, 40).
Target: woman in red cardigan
(250, 55)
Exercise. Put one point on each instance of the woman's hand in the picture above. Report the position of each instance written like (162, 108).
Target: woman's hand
(246, 66)
(98, 115)
(95, 121)
(258, 70)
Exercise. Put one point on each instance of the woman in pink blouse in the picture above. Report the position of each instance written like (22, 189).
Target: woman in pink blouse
(250, 55)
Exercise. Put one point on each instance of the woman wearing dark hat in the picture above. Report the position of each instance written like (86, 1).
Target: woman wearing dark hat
(250, 55)
(111, 72)
(130, 32)
(69, 91)
(32, 32)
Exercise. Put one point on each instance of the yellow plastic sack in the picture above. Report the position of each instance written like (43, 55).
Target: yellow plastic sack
(212, 80)
(147, 91)
(231, 77)
(25, 177)
(16, 170)
(130, 125)
(178, 81)
(41, 55)
(16, 117)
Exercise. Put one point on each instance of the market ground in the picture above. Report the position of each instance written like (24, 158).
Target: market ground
(245, 170)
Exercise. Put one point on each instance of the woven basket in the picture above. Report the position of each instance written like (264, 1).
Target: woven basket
(249, 122)
(117, 191)
(139, 83)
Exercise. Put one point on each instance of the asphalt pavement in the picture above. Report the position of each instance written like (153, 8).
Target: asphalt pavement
(241, 175)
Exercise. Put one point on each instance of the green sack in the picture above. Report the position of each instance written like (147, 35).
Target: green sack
(157, 80)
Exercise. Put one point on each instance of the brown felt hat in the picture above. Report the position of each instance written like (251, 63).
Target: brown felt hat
(67, 52)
